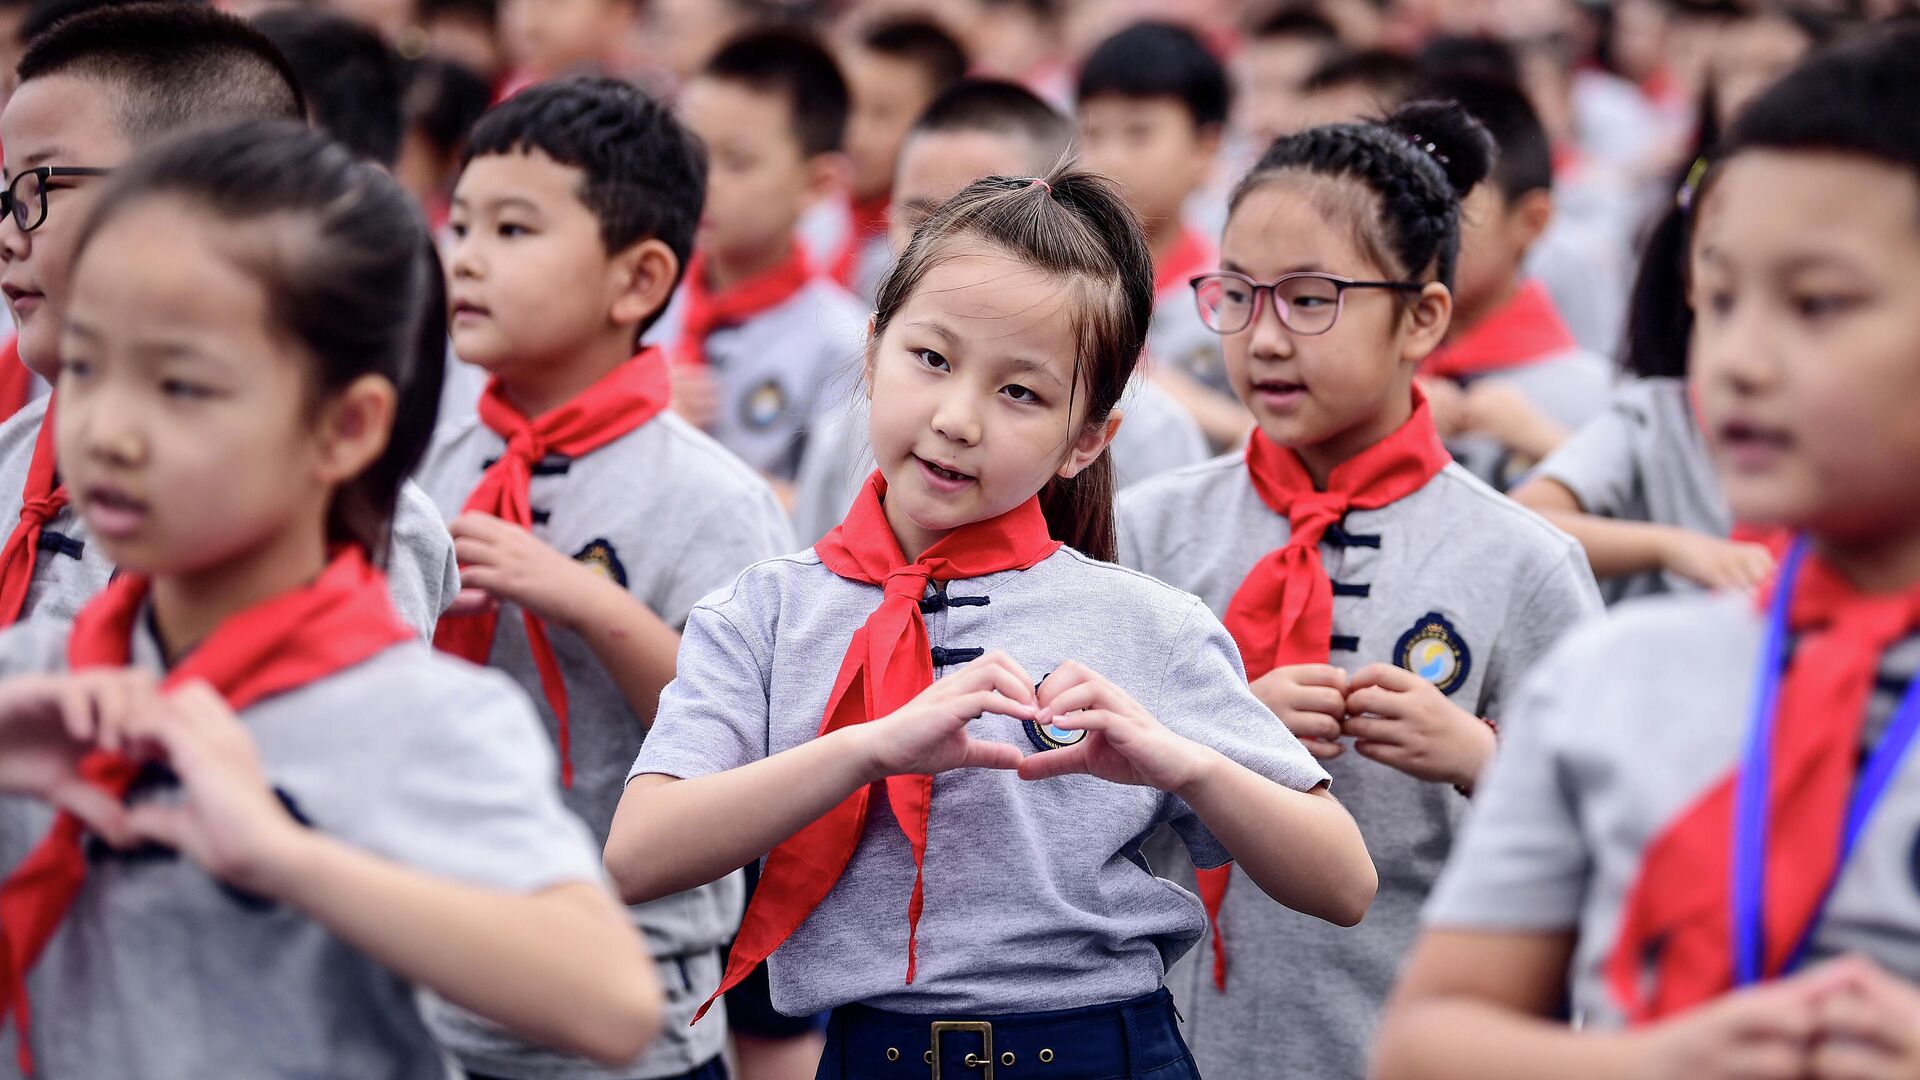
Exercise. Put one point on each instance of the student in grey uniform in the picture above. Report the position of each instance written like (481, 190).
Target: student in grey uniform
(281, 810)
(1386, 602)
(1082, 706)
(91, 88)
(1152, 103)
(590, 522)
(1523, 382)
(1701, 829)
(1636, 486)
(980, 127)
(757, 337)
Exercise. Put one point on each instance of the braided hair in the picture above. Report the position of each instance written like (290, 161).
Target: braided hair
(1417, 165)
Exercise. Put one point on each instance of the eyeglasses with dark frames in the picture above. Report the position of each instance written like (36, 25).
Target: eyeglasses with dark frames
(1308, 303)
(25, 199)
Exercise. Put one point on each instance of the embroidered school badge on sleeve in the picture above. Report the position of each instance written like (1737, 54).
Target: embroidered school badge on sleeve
(1434, 650)
(600, 557)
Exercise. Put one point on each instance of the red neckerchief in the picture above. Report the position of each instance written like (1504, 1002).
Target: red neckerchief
(886, 664)
(622, 401)
(1282, 613)
(867, 218)
(16, 379)
(343, 618)
(1675, 945)
(1525, 330)
(706, 311)
(41, 499)
(1189, 255)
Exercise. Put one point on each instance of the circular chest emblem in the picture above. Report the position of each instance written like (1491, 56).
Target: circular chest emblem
(764, 405)
(1434, 650)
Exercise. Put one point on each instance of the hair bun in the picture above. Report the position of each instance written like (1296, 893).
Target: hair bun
(1451, 136)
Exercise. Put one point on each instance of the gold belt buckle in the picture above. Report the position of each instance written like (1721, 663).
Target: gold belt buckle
(978, 1027)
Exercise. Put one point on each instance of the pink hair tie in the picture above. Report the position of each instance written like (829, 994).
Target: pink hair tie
(1039, 183)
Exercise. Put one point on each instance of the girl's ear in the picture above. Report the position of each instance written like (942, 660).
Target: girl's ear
(1093, 439)
(641, 280)
(870, 354)
(1424, 323)
(353, 428)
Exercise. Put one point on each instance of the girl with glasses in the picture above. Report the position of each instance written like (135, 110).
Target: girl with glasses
(1384, 600)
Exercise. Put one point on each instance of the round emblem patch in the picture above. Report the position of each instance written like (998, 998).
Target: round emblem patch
(1046, 737)
(764, 405)
(600, 557)
(1434, 650)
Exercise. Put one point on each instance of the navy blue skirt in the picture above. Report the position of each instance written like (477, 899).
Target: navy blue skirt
(1128, 1040)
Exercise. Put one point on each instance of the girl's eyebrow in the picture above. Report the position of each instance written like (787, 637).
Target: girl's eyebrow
(937, 329)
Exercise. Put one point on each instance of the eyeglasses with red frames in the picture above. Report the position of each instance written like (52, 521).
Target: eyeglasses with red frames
(1308, 303)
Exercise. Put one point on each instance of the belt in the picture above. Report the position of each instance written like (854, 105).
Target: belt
(1098, 1042)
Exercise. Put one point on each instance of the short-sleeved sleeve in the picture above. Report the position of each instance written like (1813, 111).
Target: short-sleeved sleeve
(1204, 697)
(1563, 595)
(475, 798)
(735, 534)
(1521, 863)
(1600, 462)
(422, 575)
(714, 715)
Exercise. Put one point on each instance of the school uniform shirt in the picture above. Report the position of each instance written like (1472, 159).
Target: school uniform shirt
(1526, 345)
(1156, 435)
(1595, 765)
(163, 972)
(668, 514)
(778, 370)
(1453, 582)
(1644, 459)
(422, 576)
(1036, 893)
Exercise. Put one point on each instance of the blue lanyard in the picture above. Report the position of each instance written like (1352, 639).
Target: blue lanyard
(1756, 772)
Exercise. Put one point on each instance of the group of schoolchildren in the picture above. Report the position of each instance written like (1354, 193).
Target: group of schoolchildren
(1195, 664)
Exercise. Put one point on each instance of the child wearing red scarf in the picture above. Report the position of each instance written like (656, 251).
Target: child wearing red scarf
(587, 516)
(952, 824)
(1701, 833)
(281, 813)
(1385, 601)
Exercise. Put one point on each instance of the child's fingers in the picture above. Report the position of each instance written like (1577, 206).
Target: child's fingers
(1322, 749)
(1378, 700)
(1324, 700)
(105, 815)
(472, 600)
(1089, 720)
(1062, 679)
(75, 699)
(167, 824)
(1085, 695)
(975, 704)
(475, 551)
(1394, 757)
(1765, 1059)
(986, 754)
(1385, 676)
(1052, 763)
(474, 525)
(995, 671)
(1311, 725)
(1326, 675)
(1377, 730)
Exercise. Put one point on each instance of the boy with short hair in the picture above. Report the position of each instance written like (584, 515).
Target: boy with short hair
(588, 517)
(548, 38)
(1152, 107)
(758, 341)
(95, 89)
(349, 75)
(1511, 382)
(894, 71)
(979, 128)
(1281, 52)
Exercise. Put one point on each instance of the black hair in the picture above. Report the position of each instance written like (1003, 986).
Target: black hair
(443, 101)
(645, 174)
(1481, 58)
(487, 11)
(351, 79)
(172, 66)
(1002, 108)
(1659, 320)
(43, 14)
(1043, 10)
(1416, 165)
(349, 269)
(1295, 22)
(1073, 225)
(1389, 77)
(1159, 60)
(1525, 159)
(1860, 98)
(922, 43)
(795, 66)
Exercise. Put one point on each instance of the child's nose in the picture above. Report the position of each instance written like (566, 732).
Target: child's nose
(957, 418)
